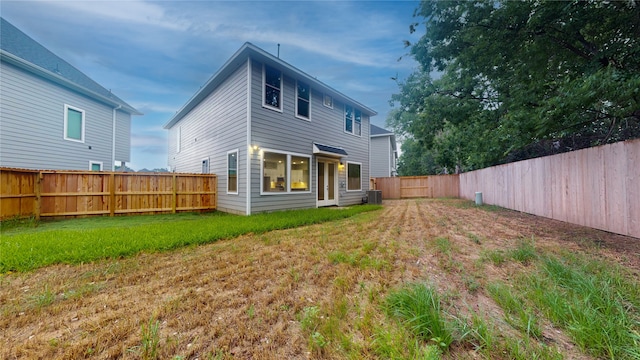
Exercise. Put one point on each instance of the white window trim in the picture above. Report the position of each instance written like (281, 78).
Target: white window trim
(288, 170)
(324, 103)
(264, 84)
(91, 163)
(347, 175)
(353, 125)
(237, 152)
(208, 160)
(300, 116)
(66, 113)
(178, 139)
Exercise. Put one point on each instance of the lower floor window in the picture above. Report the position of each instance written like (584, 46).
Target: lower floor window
(232, 172)
(285, 173)
(205, 166)
(354, 176)
(95, 165)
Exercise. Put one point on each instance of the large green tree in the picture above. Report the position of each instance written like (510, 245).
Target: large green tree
(519, 79)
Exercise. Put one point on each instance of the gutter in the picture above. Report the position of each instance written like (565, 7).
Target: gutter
(113, 139)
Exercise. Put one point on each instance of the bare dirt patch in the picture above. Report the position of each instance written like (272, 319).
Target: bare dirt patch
(246, 297)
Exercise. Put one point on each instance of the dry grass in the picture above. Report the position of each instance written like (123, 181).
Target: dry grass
(311, 292)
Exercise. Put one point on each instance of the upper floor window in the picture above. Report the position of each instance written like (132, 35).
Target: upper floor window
(328, 101)
(73, 124)
(178, 139)
(352, 120)
(272, 88)
(303, 101)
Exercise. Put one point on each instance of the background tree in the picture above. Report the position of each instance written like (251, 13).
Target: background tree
(519, 79)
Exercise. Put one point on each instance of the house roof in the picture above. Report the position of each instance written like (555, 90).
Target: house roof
(248, 50)
(376, 131)
(19, 49)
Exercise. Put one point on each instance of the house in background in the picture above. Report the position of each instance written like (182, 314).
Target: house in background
(384, 152)
(277, 137)
(52, 116)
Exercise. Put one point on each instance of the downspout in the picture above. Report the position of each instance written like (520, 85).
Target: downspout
(113, 139)
(249, 145)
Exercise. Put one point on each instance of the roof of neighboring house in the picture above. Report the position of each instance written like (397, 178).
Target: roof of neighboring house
(20, 50)
(248, 50)
(377, 131)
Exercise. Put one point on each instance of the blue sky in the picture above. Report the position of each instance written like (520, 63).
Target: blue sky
(156, 54)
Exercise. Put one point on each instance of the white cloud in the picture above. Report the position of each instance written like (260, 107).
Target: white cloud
(156, 107)
(129, 11)
(143, 141)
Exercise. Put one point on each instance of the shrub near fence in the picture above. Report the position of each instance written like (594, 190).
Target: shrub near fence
(36, 193)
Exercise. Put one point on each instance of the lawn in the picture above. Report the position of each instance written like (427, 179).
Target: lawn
(428, 279)
(27, 245)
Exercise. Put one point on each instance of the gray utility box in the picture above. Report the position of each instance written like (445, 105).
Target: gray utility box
(374, 197)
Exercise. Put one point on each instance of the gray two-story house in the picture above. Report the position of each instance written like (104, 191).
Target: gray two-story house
(276, 137)
(52, 116)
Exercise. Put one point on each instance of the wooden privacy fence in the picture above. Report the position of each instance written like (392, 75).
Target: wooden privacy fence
(598, 187)
(78, 193)
(418, 186)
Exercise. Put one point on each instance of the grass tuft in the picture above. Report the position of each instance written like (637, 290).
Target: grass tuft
(595, 302)
(150, 339)
(44, 298)
(517, 314)
(418, 307)
(524, 252)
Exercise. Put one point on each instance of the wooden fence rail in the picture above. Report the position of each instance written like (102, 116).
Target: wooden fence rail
(37, 193)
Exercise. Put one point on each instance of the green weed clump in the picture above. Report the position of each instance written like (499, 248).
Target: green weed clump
(419, 308)
(517, 314)
(595, 302)
(150, 339)
(77, 241)
(524, 252)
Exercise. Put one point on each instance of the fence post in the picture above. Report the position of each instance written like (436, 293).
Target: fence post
(38, 190)
(112, 194)
(175, 194)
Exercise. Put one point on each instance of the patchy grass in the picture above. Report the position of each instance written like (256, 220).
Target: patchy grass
(78, 241)
(419, 308)
(595, 302)
(428, 279)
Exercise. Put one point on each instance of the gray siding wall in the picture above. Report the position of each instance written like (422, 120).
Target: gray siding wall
(123, 136)
(283, 131)
(32, 125)
(381, 156)
(216, 125)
